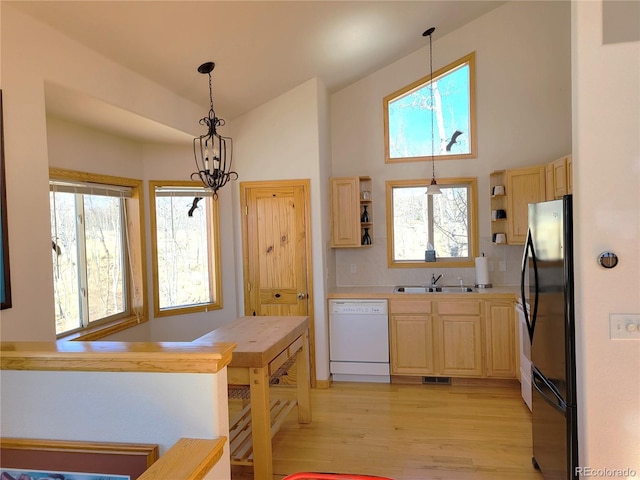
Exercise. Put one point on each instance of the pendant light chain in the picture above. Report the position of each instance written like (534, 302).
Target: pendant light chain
(433, 163)
(433, 188)
(210, 94)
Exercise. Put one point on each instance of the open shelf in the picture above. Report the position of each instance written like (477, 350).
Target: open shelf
(498, 203)
(240, 430)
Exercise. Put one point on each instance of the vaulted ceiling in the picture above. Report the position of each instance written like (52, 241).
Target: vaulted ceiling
(261, 48)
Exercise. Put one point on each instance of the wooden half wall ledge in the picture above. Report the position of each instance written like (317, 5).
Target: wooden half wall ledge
(188, 459)
(161, 357)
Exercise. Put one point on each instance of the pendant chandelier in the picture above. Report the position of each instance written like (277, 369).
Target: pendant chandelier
(213, 153)
(433, 188)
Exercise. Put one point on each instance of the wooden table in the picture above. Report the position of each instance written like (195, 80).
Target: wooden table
(264, 343)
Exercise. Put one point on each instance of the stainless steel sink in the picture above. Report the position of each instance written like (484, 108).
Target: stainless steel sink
(412, 289)
(424, 289)
(454, 289)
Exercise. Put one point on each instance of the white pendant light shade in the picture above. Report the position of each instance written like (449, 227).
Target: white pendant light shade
(434, 188)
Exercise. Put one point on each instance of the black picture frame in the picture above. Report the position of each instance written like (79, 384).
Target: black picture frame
(5, 278)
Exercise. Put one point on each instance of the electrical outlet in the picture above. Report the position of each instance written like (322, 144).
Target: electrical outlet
(624, 326)
(354, 269)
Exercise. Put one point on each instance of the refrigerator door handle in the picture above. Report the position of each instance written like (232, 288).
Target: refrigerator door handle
(529, 319)
(540, 384)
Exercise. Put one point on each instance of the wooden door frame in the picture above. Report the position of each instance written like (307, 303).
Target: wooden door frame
(305, 184)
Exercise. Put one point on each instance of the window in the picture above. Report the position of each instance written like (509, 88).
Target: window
(93, 250)
(447, 221)
(408, 114)
(186, 248)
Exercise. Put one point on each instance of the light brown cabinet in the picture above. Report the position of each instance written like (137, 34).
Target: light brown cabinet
(411, 338)
(500, 339)
(351, 212)
(524, 186)
(459, 334)
(452, 337)
(559, 178)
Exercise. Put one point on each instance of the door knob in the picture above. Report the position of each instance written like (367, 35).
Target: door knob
(301, 296)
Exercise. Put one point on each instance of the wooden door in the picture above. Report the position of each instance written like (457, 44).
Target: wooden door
(275, 256)
(276, 247)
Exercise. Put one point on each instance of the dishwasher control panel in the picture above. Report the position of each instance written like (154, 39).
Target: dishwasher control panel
(374, 307)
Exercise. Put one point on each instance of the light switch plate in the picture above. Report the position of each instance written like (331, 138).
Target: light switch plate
(624, 326)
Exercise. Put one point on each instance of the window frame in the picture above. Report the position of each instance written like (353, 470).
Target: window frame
(467, 59)
(474, 248)
(135, 283)
(215, 259)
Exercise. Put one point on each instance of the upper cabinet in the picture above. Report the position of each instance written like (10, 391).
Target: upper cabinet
(559, 178)
(351, 212)
(524, 186)
(513, 190)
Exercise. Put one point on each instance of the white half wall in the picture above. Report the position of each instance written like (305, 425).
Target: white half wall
(158, 408)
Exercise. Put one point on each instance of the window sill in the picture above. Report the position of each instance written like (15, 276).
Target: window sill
(103, 330)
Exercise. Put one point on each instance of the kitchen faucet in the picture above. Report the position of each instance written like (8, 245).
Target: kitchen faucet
(434, 279)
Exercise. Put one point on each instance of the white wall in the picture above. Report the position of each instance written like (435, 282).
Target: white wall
(162, 162)
(523, 83)
(281, 140)
(606, 100)
(157, 408)
(34, 55)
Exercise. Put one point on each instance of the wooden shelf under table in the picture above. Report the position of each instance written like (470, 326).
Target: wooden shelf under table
(240, 430)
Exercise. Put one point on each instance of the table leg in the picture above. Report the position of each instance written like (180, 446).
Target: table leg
(261, 424)
(303, 382)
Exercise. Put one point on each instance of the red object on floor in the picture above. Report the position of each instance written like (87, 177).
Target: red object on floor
(331, 476)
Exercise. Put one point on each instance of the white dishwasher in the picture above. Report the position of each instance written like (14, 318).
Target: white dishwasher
(359, 341)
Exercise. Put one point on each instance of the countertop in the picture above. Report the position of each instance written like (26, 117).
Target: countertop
(508, 292)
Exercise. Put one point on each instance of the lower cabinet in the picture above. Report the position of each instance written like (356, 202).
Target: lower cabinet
(500, 339)
(459, 331)
(408, 353)
(452, 338)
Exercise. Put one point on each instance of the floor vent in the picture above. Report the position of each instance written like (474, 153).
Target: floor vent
(436, 380)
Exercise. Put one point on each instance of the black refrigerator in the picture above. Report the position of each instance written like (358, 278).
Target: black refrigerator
(547, 285)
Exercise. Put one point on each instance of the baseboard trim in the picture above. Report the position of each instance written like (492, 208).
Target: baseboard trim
(323, 384)
(493, 382)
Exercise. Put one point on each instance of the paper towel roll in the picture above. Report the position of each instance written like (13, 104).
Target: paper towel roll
(482, 272)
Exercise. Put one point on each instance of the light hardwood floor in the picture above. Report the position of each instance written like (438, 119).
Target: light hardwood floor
(407, 432)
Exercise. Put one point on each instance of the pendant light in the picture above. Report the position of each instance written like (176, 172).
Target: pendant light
(433, 188)
(213, 153)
